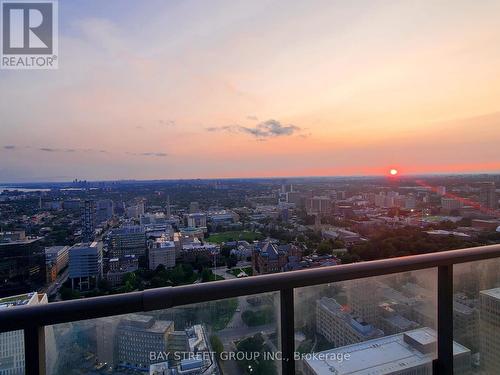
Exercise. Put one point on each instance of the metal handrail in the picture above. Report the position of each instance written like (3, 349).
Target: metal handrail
(31, 318)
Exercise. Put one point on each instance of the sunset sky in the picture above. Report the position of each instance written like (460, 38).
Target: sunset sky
(213, 89)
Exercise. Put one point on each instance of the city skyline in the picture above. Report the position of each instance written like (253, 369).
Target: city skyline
(188, 89)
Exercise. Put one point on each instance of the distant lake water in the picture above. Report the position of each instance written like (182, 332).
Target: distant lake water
(23, 190)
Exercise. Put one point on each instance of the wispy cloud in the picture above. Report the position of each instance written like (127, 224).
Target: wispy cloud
(267, 129)
(227, 128)
(9, 147)
(50, 149)
(252, 117)
(159, 154)
(167, 122)
(155, 154)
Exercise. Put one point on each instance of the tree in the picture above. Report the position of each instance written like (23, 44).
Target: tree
(177, 276)
(324, 248)
(217, 345)
(206, 275)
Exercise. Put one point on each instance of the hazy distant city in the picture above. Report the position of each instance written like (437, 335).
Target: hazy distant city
(63, 241)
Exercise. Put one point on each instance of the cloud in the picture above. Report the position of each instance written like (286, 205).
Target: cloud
(158, 154)
(167, 122)
(9, 147)
(267, 129)
(226, 128)
(253, 118)
(49, 149)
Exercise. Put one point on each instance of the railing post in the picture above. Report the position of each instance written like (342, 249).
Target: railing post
(444, 363)
(34, 350)
(287, 331)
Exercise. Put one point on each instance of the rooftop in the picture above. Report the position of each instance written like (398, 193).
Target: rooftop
(380, 356)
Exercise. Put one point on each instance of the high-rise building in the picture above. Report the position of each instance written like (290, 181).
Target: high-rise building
(489, 330)
(105, 331)
(339, 326)
(296, 198)
(137, 337)
(135, 211)
(85, 264)
(22, 263)
(168, 213)
(196, 220)
(363, 299)
(450, 204)
(12, 356)
(441, 190)
(408, 353)
(105, 209)
(466, 324)
(194, 207)
(88, 218)
(127, 240)
(318, 205)
(488, 195)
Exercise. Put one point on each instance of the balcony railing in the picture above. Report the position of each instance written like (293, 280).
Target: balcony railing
(33, 319)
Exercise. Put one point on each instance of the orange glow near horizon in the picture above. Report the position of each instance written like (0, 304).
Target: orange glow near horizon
(264, 92)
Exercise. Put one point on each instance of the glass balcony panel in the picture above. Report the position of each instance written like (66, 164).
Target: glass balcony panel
(476, 313)
(12, 353)
(230, 336)
(377, 325)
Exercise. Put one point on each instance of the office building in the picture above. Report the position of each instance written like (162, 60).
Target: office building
(85, 264)
(135, 211)
(57, 256)
(363, 297)
(127, 240)
(105, 209)
(22, 263)
(489, 330)
(105, 332)
(408, 353)
(450, 204)
(466, 323)
(88, 219)
(488, 195)
(339, 326)
(196, 220)
(162, 251)
(194, 207)
(12, 356)
(318, 205)
(56, 259)
(139, 335)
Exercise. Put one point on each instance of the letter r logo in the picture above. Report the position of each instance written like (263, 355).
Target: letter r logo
(27, 27)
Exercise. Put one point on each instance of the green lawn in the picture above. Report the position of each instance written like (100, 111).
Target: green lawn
(234, 236)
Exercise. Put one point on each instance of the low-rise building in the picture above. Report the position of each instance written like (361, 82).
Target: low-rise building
(270, 257)
(117, 268)
(162, 252)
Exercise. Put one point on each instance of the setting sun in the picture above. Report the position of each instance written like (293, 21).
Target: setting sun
(393, 172)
